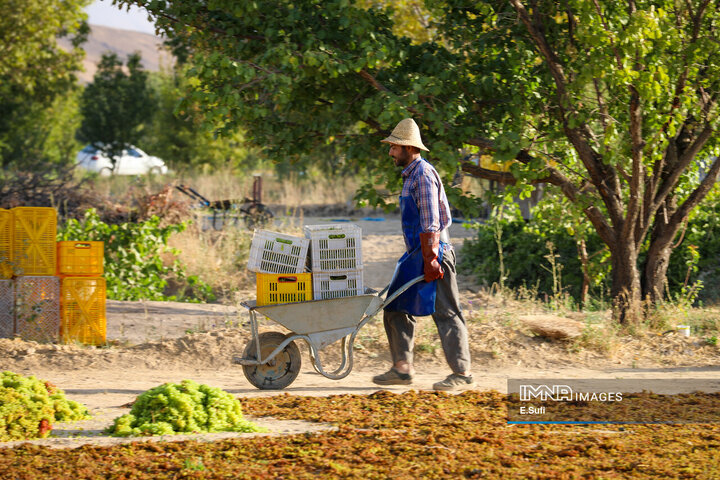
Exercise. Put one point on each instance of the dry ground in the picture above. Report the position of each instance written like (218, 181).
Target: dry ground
(155, 342)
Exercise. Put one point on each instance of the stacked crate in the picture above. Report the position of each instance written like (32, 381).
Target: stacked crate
(7, 308)
(336, 260)
(7, 287)
(49, 291)
(37, 308)
(36, 288)
(6, 244)
(82, 292)
(279, 261)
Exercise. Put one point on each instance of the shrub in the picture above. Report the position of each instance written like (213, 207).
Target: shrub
(29, 407)
(186, 407)
(526, 263)
(697, 258)
(525, 257)
(134, 266)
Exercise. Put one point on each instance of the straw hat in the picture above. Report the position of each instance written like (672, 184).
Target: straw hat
(406, 133)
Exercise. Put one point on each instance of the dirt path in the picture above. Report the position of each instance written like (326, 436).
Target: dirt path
(158, 342)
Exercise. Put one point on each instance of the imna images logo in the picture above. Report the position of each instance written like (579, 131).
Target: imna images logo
(564, 393)
(557, 393)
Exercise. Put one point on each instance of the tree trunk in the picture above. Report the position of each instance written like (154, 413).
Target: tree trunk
(626, 288)
(585, 267)
(664, 230)
(655, 274)
(658, 259)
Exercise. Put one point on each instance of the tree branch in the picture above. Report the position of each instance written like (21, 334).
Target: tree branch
(629, 227)
(205, 27)
(604, 114)
(698, 194)
(604, 178)
(618, 59)
(503, 178)
(684, 160)
(373, 81)
(554, 177)
(654, 181)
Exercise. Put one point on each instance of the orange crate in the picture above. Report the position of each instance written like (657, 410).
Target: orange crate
(37, 308)
(82, 308)
(80, 258)
(275, 288)
(34, 234)
(7, 299)
(6, 243)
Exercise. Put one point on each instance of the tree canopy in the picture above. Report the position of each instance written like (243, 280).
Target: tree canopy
(35, 72)
(175, 134)
(615, 103)
(117, 105)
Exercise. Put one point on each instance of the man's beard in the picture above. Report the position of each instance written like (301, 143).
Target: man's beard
(402, 158)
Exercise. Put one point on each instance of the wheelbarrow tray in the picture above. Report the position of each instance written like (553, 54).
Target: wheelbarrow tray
(315, 316)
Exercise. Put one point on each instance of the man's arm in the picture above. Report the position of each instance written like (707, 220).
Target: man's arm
(427, 197)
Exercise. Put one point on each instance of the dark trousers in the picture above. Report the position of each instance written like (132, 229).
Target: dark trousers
(400, 327)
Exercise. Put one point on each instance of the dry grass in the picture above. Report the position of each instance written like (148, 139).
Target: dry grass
(703, 321)
(322, 191)
(290, 193)
(219, 257)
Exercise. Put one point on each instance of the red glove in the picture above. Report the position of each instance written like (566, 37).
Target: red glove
(430, 244)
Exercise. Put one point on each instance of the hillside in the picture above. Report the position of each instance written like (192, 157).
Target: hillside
(122, 42)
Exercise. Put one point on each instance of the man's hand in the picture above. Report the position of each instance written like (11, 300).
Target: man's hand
(430, 244)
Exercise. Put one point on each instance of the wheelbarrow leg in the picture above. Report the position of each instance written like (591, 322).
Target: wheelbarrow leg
(346, 365)
(317, 364)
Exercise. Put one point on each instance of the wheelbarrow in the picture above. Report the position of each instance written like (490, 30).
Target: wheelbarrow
(271, 360)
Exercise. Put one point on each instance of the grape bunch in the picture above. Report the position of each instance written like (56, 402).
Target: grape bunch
(187, 407)
(29, 407)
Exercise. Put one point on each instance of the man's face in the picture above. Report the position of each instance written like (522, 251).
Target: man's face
(401, 156)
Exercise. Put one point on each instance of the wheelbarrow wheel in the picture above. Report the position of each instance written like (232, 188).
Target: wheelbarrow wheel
(280, 371)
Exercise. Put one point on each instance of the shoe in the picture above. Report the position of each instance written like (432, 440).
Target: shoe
(454, 382)
(392, 377)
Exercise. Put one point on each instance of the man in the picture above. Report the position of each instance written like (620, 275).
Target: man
(425, 216)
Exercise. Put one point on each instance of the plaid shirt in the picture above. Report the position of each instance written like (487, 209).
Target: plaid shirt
(422, 182)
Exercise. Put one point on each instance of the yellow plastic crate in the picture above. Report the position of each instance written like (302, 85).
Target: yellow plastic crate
(6, 243)
(37, 308)
(82, 310)
(80, 258)
(34, 233)
(275, 288)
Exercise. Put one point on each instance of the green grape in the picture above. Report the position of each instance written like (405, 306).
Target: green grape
(187, 407)
(29, 407)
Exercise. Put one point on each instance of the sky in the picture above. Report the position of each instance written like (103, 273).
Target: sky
(103, 12)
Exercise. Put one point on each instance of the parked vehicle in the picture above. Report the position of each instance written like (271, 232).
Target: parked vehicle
(132, 161)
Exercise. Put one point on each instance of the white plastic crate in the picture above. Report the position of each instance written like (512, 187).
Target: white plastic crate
(337, 284)
(37, 308)
(335, 248)
(273, 252)
(7, 299)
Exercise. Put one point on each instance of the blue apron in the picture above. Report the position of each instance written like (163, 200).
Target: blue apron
(420, 298)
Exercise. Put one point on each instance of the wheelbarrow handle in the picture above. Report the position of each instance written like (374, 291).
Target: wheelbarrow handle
(399, 291)
(378, 305)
